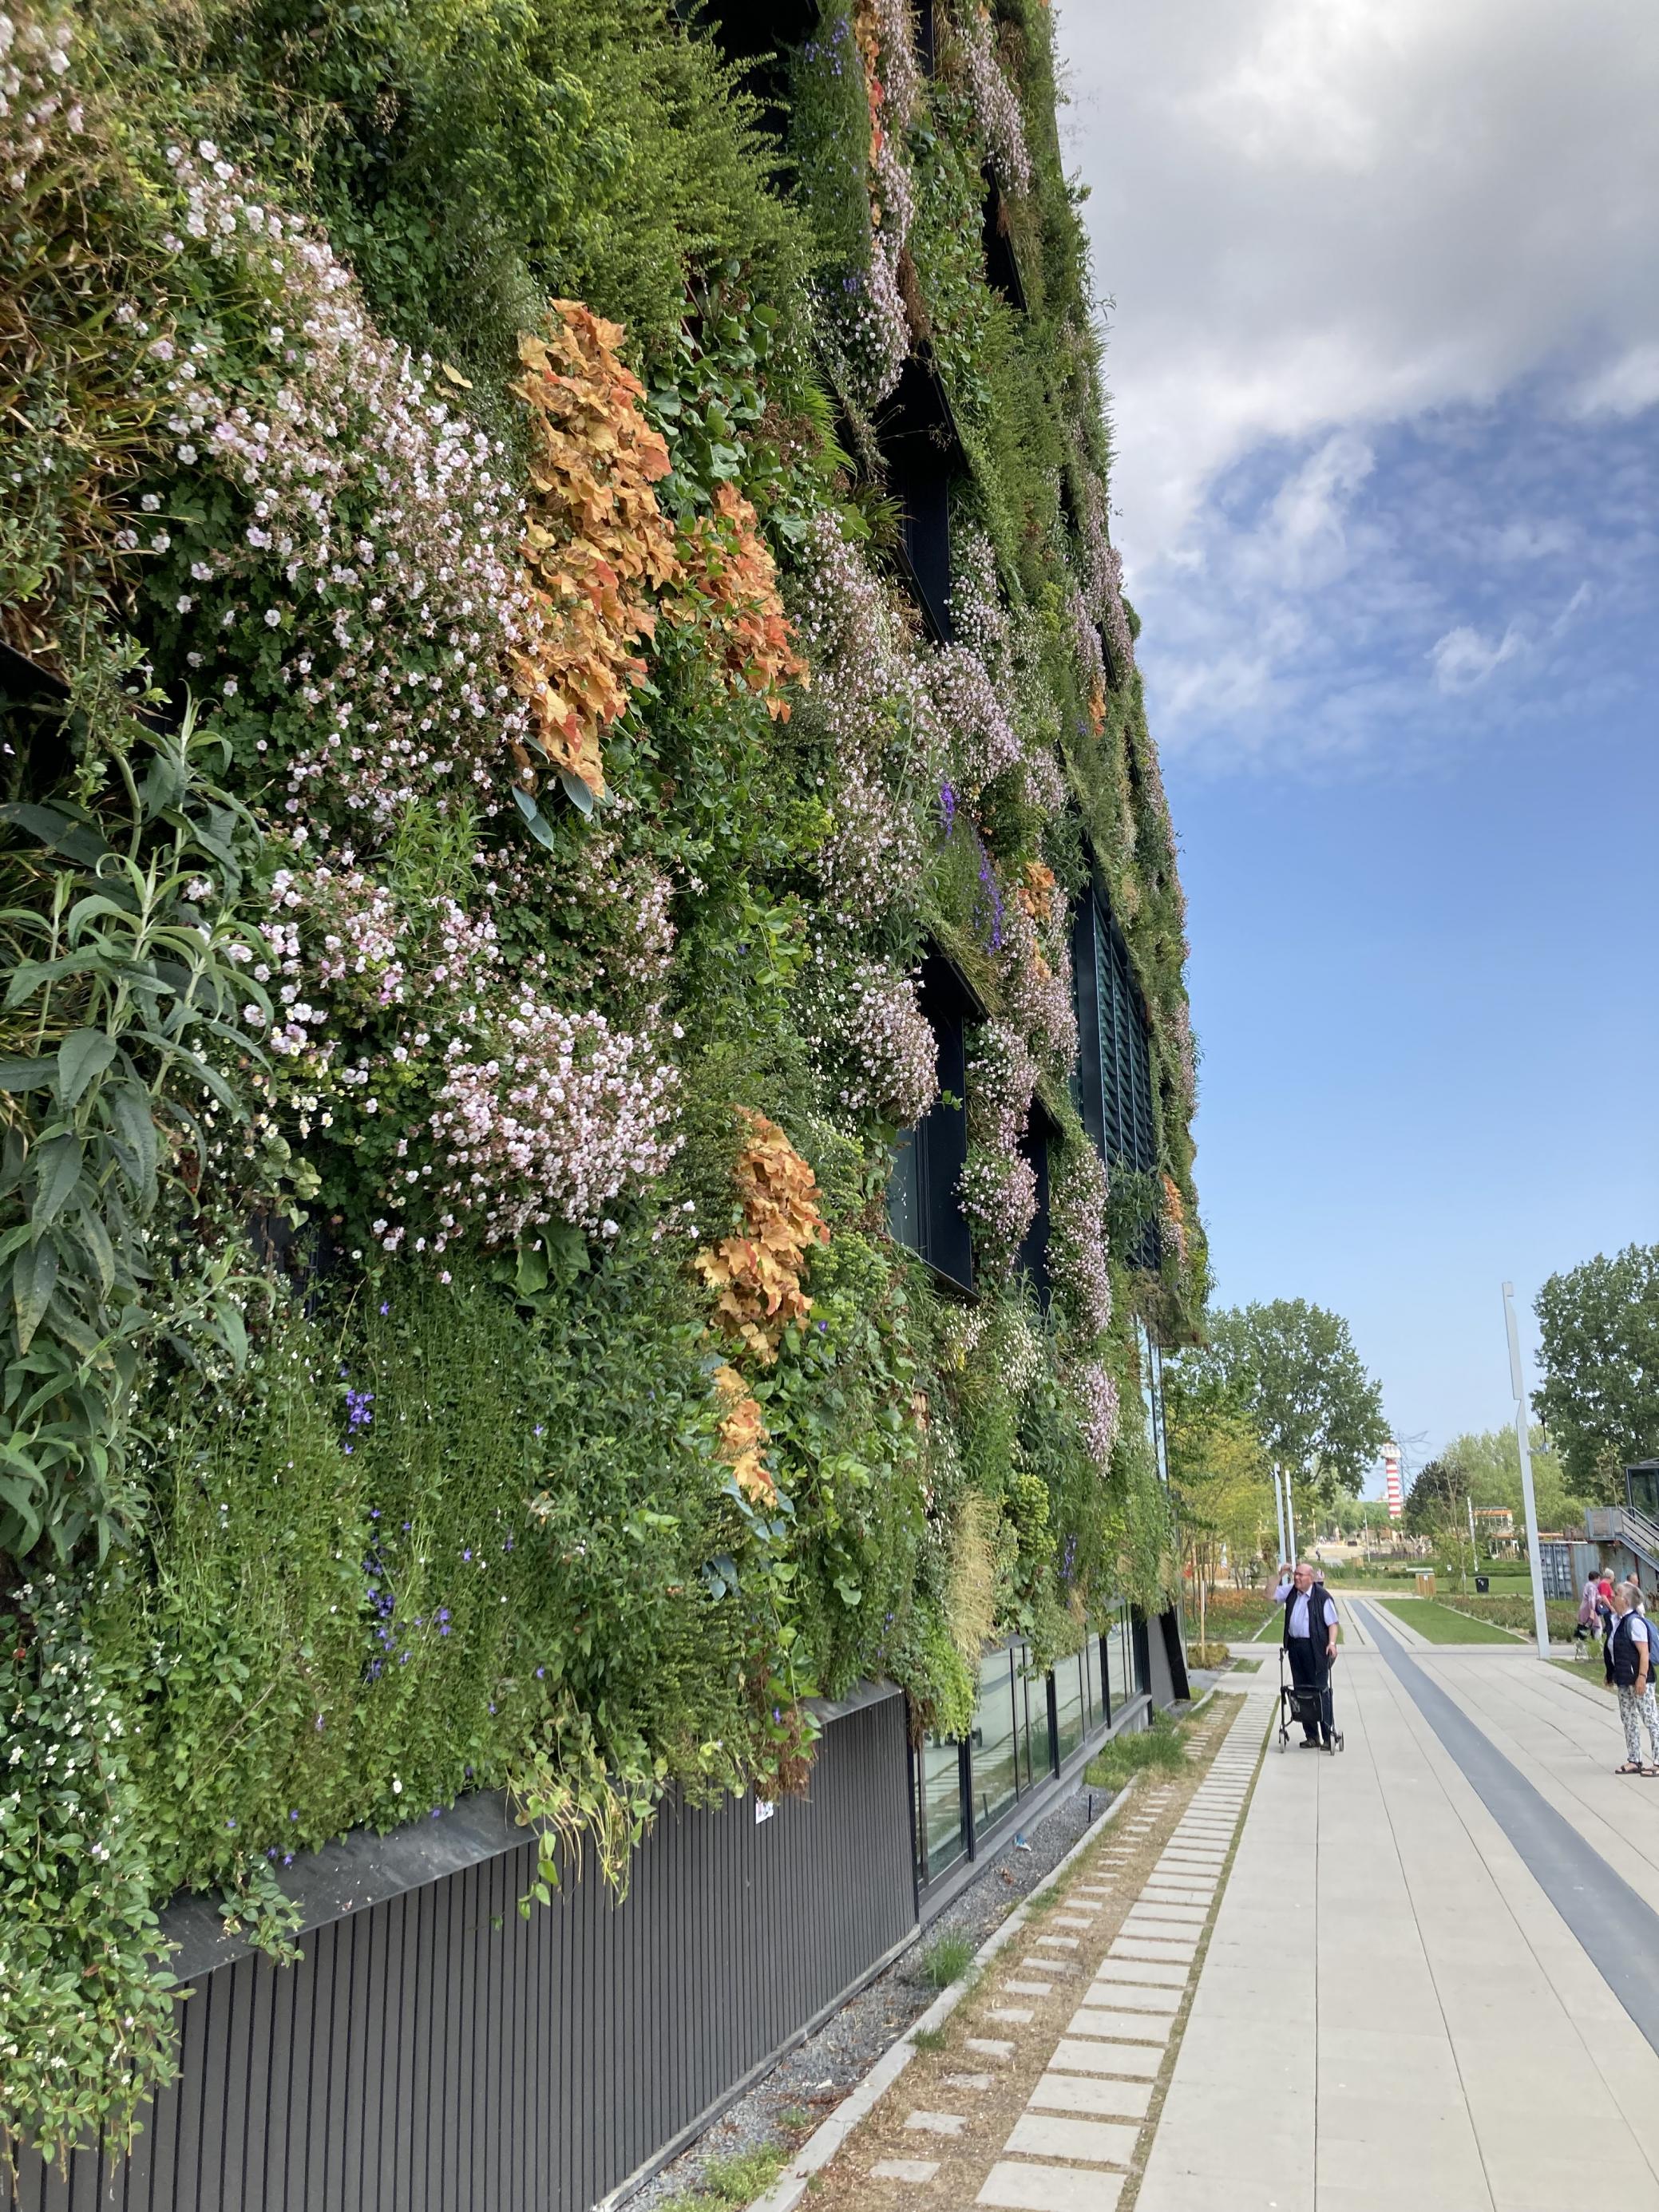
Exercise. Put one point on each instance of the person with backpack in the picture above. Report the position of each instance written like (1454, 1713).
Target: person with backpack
(1630, 1652)
(1310, 1648)
(1587, 1619)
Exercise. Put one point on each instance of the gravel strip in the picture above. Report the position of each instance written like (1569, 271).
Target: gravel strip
(806, 2086)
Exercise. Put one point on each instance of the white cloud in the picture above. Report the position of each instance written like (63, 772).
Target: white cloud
(1626, 386)
(1313, 213)
(1463, 660)
(1383, 327)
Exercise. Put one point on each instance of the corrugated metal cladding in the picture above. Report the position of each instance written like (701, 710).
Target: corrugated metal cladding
(439, 2053)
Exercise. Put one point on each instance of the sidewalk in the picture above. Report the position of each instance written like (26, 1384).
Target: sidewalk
(1393, 2013)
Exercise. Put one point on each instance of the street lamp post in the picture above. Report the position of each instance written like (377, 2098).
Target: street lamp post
(1541, 1615)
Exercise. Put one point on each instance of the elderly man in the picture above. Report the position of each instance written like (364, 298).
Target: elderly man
(1310, 1646)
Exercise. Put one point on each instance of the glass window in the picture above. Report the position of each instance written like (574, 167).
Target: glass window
(1120, 1657)
(1038, 1736)
(1094, 1706)
(1068, 1704)
(995, 1774)
(944, 1840)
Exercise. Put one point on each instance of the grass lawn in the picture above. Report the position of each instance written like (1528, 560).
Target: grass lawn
(1439, 1624)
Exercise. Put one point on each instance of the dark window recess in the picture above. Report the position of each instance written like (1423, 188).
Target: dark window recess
(926, 49)
(1115, 1059)
(923, 455)
(924, 1199)
(1000, 266)
(757, 37)
(1113, 1083)
(1040, 1133)
(33, 705)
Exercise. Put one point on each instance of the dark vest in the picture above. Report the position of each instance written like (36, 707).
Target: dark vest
(1318, 1626)
(1623, 1651)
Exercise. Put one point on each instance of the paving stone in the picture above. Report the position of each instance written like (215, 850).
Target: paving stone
(1087, 2054)
(1135, 1995)
(1060, 1942)
(1057, 1964)
(1171, 1921)
(937, 2124)
(988, 2046)
(1097, 2018)
(1016, 2015)
(1079, 1916)
(969, 2080)
(1090, 2142)
(1147, 1947)
(1090, 2096)
(1049, 2188)
(1151, 1977)
(905, 2169)
(1027, 1989)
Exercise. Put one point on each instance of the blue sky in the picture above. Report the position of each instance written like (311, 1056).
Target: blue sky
(1384, 359)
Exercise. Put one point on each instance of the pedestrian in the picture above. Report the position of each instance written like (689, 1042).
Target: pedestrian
(1586, 1620)
(1631, 1646)
(1604, 1616)
(1311, 1647)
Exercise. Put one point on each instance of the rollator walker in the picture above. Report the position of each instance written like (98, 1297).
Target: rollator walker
(1301, 1705)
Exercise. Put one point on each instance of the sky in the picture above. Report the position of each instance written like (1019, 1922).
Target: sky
(1380, 285)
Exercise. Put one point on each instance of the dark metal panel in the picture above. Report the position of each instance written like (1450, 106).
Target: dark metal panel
(435, 2050)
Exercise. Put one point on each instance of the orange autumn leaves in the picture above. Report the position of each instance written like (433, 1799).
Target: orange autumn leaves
(757, 1279)
(604, 561)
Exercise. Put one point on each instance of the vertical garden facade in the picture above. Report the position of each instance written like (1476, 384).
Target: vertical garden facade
(596, 1078)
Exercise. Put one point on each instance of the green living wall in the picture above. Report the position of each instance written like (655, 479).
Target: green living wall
(478, 791)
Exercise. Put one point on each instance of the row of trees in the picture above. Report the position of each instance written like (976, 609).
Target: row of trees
(1278, 1391)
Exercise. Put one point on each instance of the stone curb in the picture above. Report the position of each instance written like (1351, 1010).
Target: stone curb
(821, 2146)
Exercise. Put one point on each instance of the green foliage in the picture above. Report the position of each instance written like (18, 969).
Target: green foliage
(86, 2022)
(124, 1009)
(409, 1502)
(474, 157)
(1599, 1354)
(946, 1960)
(1294, 1368)
(1159, 1748)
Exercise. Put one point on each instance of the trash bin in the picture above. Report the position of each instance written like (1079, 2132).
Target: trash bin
(1483, 1584)
(1425, 1579)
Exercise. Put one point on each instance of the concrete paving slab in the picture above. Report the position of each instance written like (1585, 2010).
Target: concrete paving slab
(1081, 2143)
(1022, 2188)
(905, 2169)
(1083, 2054)
(1095, 2097)
(1115, 2024)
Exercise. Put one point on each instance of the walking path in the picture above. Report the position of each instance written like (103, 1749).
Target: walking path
(1422, 1976)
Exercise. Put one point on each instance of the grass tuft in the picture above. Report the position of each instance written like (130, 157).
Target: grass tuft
(1160, 1748)
(946, 1960)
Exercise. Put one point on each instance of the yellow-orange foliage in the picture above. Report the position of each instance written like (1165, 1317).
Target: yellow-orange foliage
(743, 1438)
(729, 588)
(758, 1275)
(1036, 891)
(597, 545)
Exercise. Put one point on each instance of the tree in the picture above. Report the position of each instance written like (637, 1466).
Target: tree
(1489, 1466)
(1599, 1358)
(1292, 1367)
(1438, 1498)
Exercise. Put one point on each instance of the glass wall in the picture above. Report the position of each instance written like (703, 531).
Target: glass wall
(1038, 1738)
(1025, 1727)
(944, 1837)
(1069, 1719)
(1122, 1670)
(994, 1753)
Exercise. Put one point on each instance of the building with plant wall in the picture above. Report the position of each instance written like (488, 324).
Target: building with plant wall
(596, 1076)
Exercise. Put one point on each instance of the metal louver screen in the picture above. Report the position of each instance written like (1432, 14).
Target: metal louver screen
(1126, 1060)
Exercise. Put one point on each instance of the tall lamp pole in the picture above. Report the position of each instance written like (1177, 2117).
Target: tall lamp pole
(1534, 1559)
